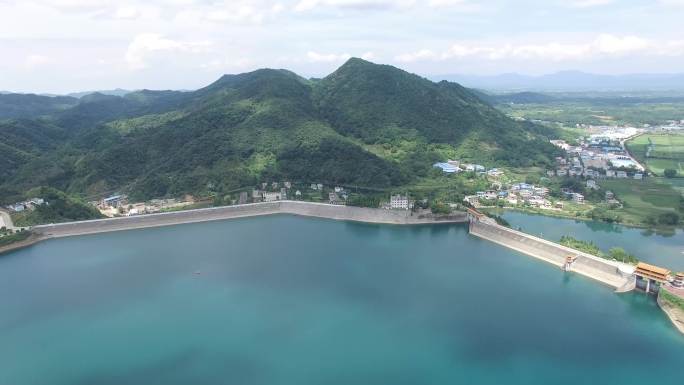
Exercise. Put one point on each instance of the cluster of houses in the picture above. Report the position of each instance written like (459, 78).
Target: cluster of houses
(281, 191)
(518, 193)
(27, 205)
(118, 205)
(455, 167)
(597, 157)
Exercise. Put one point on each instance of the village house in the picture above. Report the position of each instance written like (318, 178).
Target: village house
(610, 174)
(622, 174)
(592, 184)
(447, 167)
(578, 198)
(495, 173)
(272, 196)
(113, 201)
(638, 176)
(257, 195)
(335, 199)
(399, 202)
(541, 191)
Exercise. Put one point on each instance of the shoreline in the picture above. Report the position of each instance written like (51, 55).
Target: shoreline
(298, 208)
(675, 315)
(581, 219)
(30, 241)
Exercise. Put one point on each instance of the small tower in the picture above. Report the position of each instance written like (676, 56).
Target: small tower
(679, 280)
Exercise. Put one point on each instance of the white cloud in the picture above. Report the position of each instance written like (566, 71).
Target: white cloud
(34, 61)
(369, 56)
(423, 54)
(146, 44)
(309, 5)
(589, 3)
(604, 45)
(316, 57)
(672, 3)
(227, 65)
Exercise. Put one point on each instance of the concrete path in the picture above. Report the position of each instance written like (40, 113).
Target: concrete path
(6, 220)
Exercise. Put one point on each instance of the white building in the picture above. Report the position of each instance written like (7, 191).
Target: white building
(591, 184)
(622, 174)
(578, 198)
(272, 196)
(447, 167)
(638, 176)
(399, 202)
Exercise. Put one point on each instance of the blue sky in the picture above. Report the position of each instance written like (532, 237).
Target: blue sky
(70, 45)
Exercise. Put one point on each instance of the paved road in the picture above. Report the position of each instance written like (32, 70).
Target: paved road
(5, 220)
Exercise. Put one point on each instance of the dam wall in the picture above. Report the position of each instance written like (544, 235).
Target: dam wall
(369, 215)
(309, 209)
(608, 272)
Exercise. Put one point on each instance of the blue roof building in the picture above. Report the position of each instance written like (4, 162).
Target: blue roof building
(446, 167)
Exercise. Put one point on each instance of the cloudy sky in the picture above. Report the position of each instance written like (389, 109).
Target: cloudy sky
(63, 46)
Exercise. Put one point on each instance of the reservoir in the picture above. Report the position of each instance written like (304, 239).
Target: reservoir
(291, 300)
(662, 249)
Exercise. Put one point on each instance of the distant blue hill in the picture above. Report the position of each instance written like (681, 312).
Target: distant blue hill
(571, 81)
(114, 92)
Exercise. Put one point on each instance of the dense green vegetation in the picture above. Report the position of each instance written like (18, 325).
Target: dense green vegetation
(616, 253)
(364, 125)
(671, 298)
(30, 105)
(7, 239)
(59, 208)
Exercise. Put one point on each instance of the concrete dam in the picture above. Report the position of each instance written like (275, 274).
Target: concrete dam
(615, 274)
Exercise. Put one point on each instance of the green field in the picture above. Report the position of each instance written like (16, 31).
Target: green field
(597, 112)
(643, 199)
(666, 151)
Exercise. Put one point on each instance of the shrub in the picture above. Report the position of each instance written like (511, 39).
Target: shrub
(668, 219)
(670, 173)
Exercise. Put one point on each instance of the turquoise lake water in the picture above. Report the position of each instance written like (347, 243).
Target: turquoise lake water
(666, 250)
(289, 300)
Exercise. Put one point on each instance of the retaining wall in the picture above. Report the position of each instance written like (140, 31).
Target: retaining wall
(320, 210)
(588, 265)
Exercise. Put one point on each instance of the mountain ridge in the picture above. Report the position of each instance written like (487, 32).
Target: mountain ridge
(270, 124)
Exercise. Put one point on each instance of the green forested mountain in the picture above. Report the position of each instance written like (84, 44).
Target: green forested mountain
(365, 124)
(31, 106)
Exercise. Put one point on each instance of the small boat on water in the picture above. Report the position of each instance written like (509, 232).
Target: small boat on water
(197, 272)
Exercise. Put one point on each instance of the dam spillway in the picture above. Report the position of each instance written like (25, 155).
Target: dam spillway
(612, 273)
